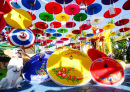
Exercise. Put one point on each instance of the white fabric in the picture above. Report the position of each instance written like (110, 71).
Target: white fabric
(111, 10)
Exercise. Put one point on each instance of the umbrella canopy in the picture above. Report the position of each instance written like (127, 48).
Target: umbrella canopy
(63, 1)
(35, 69)
(5, 6)
(70, 35)
(62, 30)
(107, 14)
(71, 43)
(31, 4)
(80, 17)
(122, 22)
(126, 5)
(112, 33)
(57, 34)
(20, 37)
(94, 39)
(52, 45)
(72, 9)
(52, 37)
(102, 37)
(107, 2)
(62, 17)
(49, 40)
(97, 20)
(84, 27)
(93, 9)
(76, 31)
(56, 24)
(37, 31)
(64, 39)
(107, 71)
(82, 38)
(41, 25)
(15, 5)
(74, 47)
(89, 35)
(85, 2)
(68, 67)
(108, 26)
(70, 24)
(50, 30)
(97, 31)
(124, 29)
(53, 8)
(59, 41)
(45, 16)
(2, 22)
(18, 18)
(47, 34)
(32, 15)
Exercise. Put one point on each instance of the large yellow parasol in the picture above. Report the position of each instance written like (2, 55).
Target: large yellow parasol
(62, 17)
(18, 18)
(70, 35)
(108, 26)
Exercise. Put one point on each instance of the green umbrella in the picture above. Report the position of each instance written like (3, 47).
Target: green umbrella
(3, 73)
(45, 16)
(80, 17)
(62, 30)
(52, 37)
(8, 45)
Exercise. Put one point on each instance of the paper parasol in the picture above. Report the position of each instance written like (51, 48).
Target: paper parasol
(63, 1)
(70, 35)
(107, 2)
(97, 20)
(45, 16)
(20, 37)
(93, 9)
(94, 39)
(18, 18)
(74, 47)
(59, 41)
(49, 40)
(15, 5)
(107, 14)
(50, 30)
(108, 26)
(89, 35)
(64, 39)
(82, 38)
(85, 2)
(122, 22)
(56, 24)
(76, 31)
(62, 30)
(68, 67)
(80, 17)
(71, 43)
(107, 71)
(32, 15)
(70, 24)
(62, 17)
(31, 4)
(37, 31)
(47, 34)
(124, 29)
(57, 34)
(52, 45)
(126, 5)
(5, 6)
(41, 25)
(35, 69)
(52, 37)
(84, 27)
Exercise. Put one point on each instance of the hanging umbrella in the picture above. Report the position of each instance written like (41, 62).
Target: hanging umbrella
(68, 67)
(70, 35)
(84, 27)
(97, 20)
(20, 37)
(56, 24)
(18, 18)
(31, 4)
(57, 34)
(46, 34)
(82, 38)
(50, 30)
(107, 2)
(71, 43)
(62, 30)
(5, 6)
(102, 37)
(63, 1)
(89, 35)
(52, 37)
(94, 39)
(32, 15)
(80, 17)
(107, 71)
(76, 31)
(49, 40)
(52, 45)
(112, 33)
(74, 47)
(122, 22)
(45, 16)
(62, 17)
(108, 26)
(124, 29)
(37, 31)
(2, 22)
(59, 41)
(126, 5)
(70, 24)
(93, 9)
(85, 2)
(97, 31)
(35, 69)
(15, 4)
(107, 14)
(41, 25)
(64, 39)
(87, 42)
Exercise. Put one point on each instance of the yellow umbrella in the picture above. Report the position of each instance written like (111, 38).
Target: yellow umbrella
(70, 35)
(18, 18)
(112, 33)
(62, 17)
(108, 26)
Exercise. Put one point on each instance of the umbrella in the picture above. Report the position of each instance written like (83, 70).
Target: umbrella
(74, 47)
(37, 31)
(15, 5)
(85, 2)
(3, 73)
(70, 35)
(84, 27)
(64, 39)
(87, 42)
(70, 24)
(107, 14)
(52, 37)
(63, 1)
(68, 67)
(89, 35)
(122, 22)
(59, 41)
(76, 31)
(93, 9)
(5, 6)
(124, 29)
(97, 20)
(50, 30)
(52, 45)
(82, 38)
(71, 43)
(35, 69)
(20, 37)
(107, 2)
(18, 18)
(62, 17)
(80, 17)
(108, 26)
(107, 71)
(126, 5)
(57, 34)
(94, 39)
(49, 40)
(97, 31)
(102, 37)
(32, 15)
(112, 33)
(2, 22)
(56, 24)
(31, 4)
(62, 30)
(67, 45)
(45, 16)
(41, 25)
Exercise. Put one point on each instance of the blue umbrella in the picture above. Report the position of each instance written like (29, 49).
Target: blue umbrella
(15, 4)
(35, 69)
(31, 4)
(63, 1)
(67, 45)
(50, 30)
(57, 34)
(87, 42)
(89, 35)
(107, 2)
(93, 9)
(52, 45)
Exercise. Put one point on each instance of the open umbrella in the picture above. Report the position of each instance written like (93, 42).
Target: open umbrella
(59, 41)
(82, 38)
(85, 2)
(45, 16)
(37, 31)
(107, 2)
(63, 1)
(108, 26)
(2, 22)
(57, 34)
(18, 18)
(77, 31)
(62, 30)
(70, 35)
(56, 24)
(97, 20)
(64, 39)
(84, 27)
(62, 17)
(126, 5)
(50, 30)
(124, 29)
(122, 22)
(97, 31)
(15, 4)
(70, 24)
(68, 67)
(89, 35)
(52, 37)
(32, 15)
(41, 25)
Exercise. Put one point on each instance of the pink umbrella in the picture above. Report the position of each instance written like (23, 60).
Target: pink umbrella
(2, 22)
(60, 41)
(82, 38)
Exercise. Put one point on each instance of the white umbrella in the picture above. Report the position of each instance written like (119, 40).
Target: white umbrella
(97, 20)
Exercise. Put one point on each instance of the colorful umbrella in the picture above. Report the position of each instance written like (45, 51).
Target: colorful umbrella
(56, 24)
(31, 4)
(97, 20)
(49, 40)
(50, 30)
(52, 37)
(93, 9)
(37, 31)
(41, 25)
(76, 31)
(89, 35)
(107, 71)
(57, 34)
(68, 67)
(5, 6)
(59, 41)
(85, 2)
(94, 39)
(2, 22)
(107, 14)
(71, 43)
(102, 37)
(124, 29)
(62, 30)
(35, 69)
(70, 24)
(84, 27)
(47, 34)
(107, 2)
(80, 17)
(32, 15)
(64, 39)
(52, 45)
(82, 38)
(97, 31)
(62, 17)
(126, 5)
(20, 37)
(122, 22)
(18, 18)
(70, 35)
(15, 5)
(45, 16)
(74, 47)
(63, 1)
(108, 26)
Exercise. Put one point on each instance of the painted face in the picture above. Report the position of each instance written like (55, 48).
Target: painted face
(18, 52)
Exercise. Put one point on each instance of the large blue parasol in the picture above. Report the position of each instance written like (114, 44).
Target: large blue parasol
(50, 30)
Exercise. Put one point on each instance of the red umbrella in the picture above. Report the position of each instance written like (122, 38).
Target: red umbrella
(126, 5)
(94, 39)
(85, 2)
(124, 29)
(74, 47)
(2, 22)
(71, 43)
(82, 38)
(85, 27)
(59, 41)
(76, 31)
(122, 22)
(32, 15)
(41, 25)
(43, 42)
(102, 37)
(70, 24)
(49, 40)
(56, 24)
(98, 31)
(37, 31)
(64, 39)
(46, 34)
(59, 48)
(117, 12)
